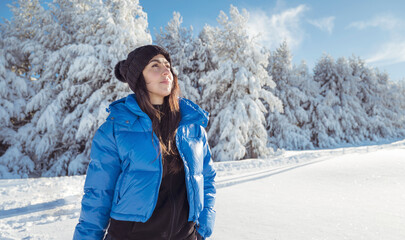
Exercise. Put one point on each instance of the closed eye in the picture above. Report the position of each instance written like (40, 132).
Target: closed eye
(157, 65)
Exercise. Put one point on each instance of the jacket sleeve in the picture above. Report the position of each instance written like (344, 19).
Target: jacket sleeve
(207, 217)
(102, 173)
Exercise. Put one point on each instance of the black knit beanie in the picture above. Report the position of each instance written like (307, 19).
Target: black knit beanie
(130, 69)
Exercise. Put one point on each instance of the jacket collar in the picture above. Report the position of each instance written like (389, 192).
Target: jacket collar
(127, 110)
(192, 113)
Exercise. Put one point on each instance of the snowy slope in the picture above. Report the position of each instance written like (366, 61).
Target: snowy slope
(344, 193)
(353, 196)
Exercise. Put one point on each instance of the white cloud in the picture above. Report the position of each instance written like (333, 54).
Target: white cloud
(325, 24)
(385, 22)
(390, 53)
(393, 50)
(273, 30)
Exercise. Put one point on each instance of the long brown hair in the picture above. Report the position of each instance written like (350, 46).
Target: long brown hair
(164, 122)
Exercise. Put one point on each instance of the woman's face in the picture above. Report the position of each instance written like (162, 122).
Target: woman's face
(158, 78)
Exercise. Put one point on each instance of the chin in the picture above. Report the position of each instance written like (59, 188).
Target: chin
(165, 94)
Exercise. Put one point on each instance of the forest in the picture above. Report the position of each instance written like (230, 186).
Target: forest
(56, 81)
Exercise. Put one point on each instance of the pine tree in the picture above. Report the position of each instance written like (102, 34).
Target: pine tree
(310, 90)
(388, 111)
(380, 100)
(189, 56)
(350, 115)
(285, 128)
(326, 129)
(233, 92)
(338, 117)
(80, 42)
(400, 86)
(356, 104)
(16, 85)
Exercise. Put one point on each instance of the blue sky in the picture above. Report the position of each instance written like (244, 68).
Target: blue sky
(373, 30)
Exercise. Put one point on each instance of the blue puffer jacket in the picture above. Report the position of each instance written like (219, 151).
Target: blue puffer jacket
(124, 176)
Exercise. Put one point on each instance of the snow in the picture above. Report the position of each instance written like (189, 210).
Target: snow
(352, 196)
(342, 193)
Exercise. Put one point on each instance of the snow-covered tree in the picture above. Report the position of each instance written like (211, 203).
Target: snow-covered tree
(188, 54)
(351, 115)
(72, 53)
(389, 109)
(285, 128)
(400, 86)
(326, 129)
(338, 116)
(16, 85)
(356, 104)
(380, 100)
(233, 92)
(309, 89)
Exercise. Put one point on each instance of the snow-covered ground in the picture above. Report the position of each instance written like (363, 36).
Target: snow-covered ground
(343, 193)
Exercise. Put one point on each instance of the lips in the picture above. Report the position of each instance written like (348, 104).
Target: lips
(166, 81)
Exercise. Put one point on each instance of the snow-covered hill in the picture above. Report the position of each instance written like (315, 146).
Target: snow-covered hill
(343, 193)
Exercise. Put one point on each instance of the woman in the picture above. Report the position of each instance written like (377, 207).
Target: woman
(150, 174)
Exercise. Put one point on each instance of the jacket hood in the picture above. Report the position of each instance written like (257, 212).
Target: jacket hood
(127, 110)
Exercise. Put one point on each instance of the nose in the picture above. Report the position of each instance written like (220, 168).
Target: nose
(166, 71)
